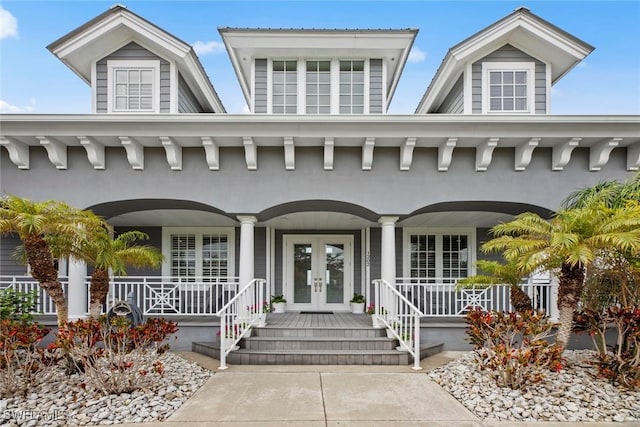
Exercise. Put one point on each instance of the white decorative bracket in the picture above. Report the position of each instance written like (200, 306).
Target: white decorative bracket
(212, 152)
(445, 154)
(562, 153)
(328, 153)
(174, 152)
(367, 153)
(135, 152)
(250, 153)
(95, 151)
(406, 153)
(633, 157)
(289, 153)
(524, 153)
(57, 151)
(484, 154)
(18, 152)
(599, 153)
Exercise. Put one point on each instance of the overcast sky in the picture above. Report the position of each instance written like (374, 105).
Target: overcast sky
(32, 80)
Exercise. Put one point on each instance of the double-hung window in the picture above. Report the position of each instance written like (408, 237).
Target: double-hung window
(284, 88)
(351, 87)
(435, 254)
(508, 87)
(198, 254)
(318, 82)
(133, 86)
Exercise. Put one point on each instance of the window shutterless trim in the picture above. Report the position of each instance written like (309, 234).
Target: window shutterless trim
(116, 65)
(528, 67)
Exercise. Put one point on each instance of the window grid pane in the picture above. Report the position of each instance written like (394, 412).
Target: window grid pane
(318, 87)
(284, 87)
(422, 256)
(351, 87)
(455, 256)
(133, 89)
(507, 91)
(215, 259)
(183, 256)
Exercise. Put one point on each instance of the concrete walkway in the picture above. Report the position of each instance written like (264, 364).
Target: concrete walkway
(313, 396)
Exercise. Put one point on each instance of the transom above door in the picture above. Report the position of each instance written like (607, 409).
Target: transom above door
(318, 272)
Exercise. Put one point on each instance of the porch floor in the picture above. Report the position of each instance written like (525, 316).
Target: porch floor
(318, 320)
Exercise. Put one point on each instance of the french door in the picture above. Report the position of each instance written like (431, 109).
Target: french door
(318, 272)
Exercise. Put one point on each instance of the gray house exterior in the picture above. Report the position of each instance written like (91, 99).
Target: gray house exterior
(318, 191)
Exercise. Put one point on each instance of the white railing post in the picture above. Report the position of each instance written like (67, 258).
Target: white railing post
(416, 343)
(223, 342)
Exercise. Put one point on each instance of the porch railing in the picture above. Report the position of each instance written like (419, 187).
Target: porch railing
(244, 311)
(398, 314)
(167, 296)
(438, 297)
(44, 304)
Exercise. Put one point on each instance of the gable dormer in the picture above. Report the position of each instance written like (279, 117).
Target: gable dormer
(506, 68)
(300, 71)
(134, 66)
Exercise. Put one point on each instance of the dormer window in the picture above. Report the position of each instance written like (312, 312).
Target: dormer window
(285, 87)
(318, 87)
(508, 87)
(351, 87)
(133, 86)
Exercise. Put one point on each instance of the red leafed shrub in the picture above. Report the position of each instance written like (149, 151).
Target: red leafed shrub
(115, 356)
(618, 362)
(513, 347)
(23, 364)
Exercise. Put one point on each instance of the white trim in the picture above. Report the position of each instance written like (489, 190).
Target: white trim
(385, 101)
(94, 87)
(367, 81)
(470, 232)
(547, 73)
(529, 67)
(174, 91)
(467, 92)
(301, 73)
(335, 88)
(114, 64)
(198, 231)
(252, 100)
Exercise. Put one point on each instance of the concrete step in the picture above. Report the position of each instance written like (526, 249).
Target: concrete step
(318, 343)
(244, 356)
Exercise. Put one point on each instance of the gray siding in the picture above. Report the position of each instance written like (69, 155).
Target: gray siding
(375, 86)
(155, 240)
(454, 102)
(260, 253)
(134, 52)
(260, 90)
(9, 265)
(508, 53)
(357, 254)
(187, 102)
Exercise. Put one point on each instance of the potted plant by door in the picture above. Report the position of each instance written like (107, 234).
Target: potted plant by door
(357, 304)
(279, 303)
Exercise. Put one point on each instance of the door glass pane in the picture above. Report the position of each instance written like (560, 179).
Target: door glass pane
(214, 256)
(183, 257)
(334, 274)
(302, 274)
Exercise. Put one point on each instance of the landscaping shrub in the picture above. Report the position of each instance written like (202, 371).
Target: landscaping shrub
(618, 362)
(17, 305)
(23, 364)
(513, 347)
(115, 356)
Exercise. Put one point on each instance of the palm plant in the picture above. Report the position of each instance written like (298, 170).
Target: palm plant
(569, 242)
(496, 273)
(105, 253)
(46, 229)
(613, 194)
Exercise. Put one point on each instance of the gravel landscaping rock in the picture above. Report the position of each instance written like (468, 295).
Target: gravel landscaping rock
(60, 403)
(573, 394)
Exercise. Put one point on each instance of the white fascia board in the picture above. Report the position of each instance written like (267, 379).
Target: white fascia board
(245, 81)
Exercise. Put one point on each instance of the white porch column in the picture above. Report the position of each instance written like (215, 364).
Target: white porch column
(388, 249)
(77, 293)
(246, 249)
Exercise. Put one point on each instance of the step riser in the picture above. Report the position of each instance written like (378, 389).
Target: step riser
(319, 333)
(253, 344)
(317, 359)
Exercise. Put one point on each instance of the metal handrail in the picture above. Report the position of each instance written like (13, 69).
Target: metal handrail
(400, 316)
(240, 314)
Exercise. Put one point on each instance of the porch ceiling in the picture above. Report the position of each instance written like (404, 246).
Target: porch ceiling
(455, 219)
(172, 218)
(318, 221)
